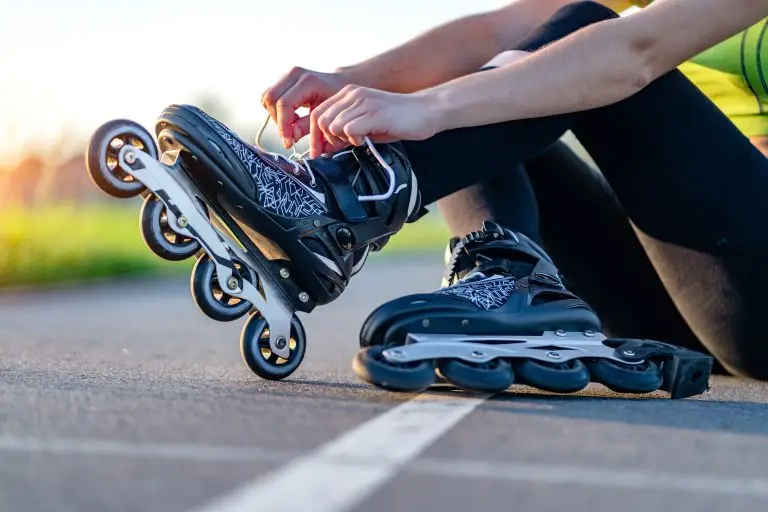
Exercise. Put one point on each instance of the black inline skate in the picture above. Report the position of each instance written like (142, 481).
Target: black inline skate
(503, 315)
(274, 235)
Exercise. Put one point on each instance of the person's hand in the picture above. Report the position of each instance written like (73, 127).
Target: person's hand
(299, 88)
(354, 113)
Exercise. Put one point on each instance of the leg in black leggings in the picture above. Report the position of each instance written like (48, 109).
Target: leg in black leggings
(689, 181)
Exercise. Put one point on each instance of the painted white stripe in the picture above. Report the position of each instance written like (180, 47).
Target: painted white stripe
(340, 474)
(622, 478)
(169, 451)
(641, 480)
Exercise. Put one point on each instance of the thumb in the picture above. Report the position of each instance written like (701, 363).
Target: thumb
(300, 128)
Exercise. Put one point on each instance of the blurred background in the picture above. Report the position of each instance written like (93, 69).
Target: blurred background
(67, 67)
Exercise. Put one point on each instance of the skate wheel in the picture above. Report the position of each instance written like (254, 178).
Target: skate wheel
(567, 377)
(491, 377)
(370, 365)
(644, 377)
(101, 157)
(160, 237)
(254, 347)
(211, 299)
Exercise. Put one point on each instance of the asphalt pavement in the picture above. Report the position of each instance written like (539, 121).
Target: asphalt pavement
(121, 396)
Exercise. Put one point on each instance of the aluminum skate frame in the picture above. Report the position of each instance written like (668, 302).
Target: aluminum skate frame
(182, 198)
(551, 347)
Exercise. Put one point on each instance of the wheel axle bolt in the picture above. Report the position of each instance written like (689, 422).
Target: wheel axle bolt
(629, 352)
(553, 355)
(304, 297)
(396, 353)
(560, 332)
(182, 222)
(285, 273)
(130, 158)
(232, 283)
(281, 343)
(589, 333)
(477, 353)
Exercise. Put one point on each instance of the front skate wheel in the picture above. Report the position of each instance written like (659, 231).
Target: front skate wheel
(160, 237)
(211, 299)
(644, 377)
(370, 365)
(567, 377)
(254, 347)
(102, 157)
(491, 377)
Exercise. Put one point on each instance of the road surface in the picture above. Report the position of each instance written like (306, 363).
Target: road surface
(121, 396)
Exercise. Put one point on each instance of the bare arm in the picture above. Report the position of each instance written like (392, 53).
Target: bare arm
(451, 50)
(599, 65)
(441, 54)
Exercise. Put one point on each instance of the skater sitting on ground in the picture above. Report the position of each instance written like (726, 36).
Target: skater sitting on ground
(672, 243)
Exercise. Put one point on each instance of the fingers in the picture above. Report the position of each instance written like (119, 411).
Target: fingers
(300, 128)
(274, 93)
(317, 135)
(362, 126)
(332, 115)
(338, 125)
(327, 121)
(296, 89)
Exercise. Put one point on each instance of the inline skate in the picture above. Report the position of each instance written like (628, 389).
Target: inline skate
(273, 235)
(503, 315)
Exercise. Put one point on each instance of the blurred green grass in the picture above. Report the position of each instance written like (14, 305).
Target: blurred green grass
(74, 242)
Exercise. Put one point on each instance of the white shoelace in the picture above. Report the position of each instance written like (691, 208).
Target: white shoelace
(299, 162)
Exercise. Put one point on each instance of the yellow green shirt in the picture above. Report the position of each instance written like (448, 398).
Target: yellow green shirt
(733, 74)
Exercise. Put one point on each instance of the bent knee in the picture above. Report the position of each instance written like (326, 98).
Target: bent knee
(566, 20)
(587, 12)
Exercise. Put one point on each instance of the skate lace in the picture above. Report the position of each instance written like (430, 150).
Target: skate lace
(298, 161)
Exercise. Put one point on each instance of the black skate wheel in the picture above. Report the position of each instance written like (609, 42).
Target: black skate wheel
(491, 377)
(160, 237)
(370, 365)
(254, 347)
(567, 377)
(644, 377)
(211, 299)
(101, 159)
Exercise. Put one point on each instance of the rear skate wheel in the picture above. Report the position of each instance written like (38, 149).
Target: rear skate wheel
(644, 377)
(102, 157)
(254, 347)
(211, 299)
(491, 377)
(567, 377)
(160, 236)
(370, 365)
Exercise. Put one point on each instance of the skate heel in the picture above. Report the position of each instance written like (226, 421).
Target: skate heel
(687, 374)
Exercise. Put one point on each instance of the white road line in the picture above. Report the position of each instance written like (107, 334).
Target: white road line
(197, 452)
(342, 473)
(379, 458)
(586, 476)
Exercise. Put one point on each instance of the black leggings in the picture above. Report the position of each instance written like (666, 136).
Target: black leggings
(669, 242)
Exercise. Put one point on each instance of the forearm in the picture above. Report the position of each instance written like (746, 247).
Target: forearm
(451, 50)
(596, 66)
(558, 79)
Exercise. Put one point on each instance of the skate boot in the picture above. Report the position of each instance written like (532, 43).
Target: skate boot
(273, 235)
(503, 315)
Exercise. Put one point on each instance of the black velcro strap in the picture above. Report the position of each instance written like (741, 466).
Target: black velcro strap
(341, 190)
